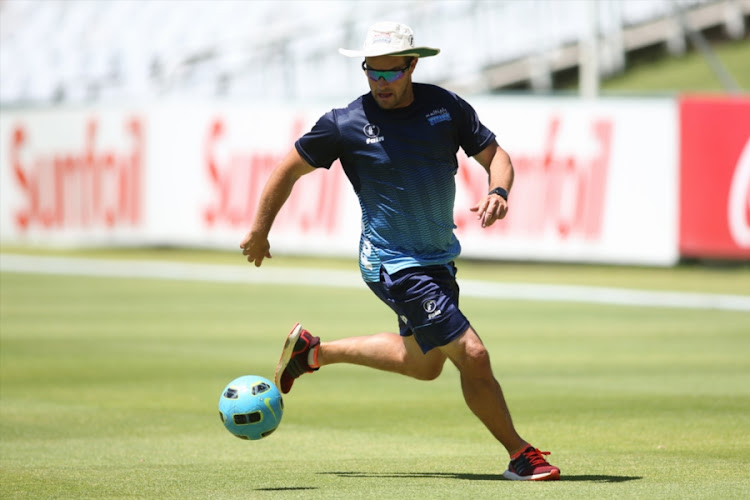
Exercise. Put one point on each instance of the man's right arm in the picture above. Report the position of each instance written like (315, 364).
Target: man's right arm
(279, 186)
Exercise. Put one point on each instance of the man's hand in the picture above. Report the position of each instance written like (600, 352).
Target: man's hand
(279, 186)
(496, 162)
(256, 248)
(492, 208)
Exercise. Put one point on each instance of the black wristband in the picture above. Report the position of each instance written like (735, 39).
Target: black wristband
(502, 192)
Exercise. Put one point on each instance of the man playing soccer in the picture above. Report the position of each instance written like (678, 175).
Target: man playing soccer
(397, 145)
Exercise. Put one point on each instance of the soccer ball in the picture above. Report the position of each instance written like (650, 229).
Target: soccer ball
(251, 407)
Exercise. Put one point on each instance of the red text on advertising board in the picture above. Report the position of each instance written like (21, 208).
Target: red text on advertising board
(715, 177)
(237, 179)
(738, 202)
(92, 187)
(554, 193)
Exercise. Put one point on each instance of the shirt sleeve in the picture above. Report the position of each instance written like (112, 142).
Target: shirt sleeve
(320, 147)
(473, 135)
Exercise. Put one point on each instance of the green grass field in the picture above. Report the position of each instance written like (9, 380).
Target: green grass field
(690, 72)
(109, 389)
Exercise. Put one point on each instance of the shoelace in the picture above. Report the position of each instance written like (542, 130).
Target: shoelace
(535, 457)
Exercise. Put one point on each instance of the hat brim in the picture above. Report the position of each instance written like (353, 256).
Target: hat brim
(413, 52)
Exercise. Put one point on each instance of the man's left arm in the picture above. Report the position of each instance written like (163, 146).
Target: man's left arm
(496, 162)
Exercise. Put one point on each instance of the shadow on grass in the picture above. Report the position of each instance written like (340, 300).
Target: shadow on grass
(597, 478)
(594, 478)
(289, 488)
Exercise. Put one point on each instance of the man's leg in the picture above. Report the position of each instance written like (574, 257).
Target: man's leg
(391, 352)
(384, 351)
(394, 353)
(481, 390)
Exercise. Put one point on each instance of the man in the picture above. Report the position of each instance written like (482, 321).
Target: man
(397, 145)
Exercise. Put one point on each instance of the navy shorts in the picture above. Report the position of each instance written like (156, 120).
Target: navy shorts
(425, 299)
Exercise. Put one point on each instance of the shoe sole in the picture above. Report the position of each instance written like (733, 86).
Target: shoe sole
(286, 353)
(547, 476)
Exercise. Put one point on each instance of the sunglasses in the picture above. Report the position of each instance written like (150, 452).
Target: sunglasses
(390, 75)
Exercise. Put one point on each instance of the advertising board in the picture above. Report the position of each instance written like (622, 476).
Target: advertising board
(595, 181)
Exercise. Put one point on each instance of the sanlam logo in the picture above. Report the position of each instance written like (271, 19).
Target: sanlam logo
(437, 116)
(738, 206)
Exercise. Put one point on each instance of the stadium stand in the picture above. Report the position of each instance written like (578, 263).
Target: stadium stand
(78, 51)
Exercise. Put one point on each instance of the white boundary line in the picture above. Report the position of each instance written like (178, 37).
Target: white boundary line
(153, 269)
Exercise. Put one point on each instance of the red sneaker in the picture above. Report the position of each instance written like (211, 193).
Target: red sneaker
(530, 465)
(293, 361)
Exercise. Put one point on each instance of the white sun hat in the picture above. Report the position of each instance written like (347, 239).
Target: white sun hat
(389, 38)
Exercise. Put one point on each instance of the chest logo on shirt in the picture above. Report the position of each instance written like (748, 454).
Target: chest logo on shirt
(438, 115)
(373, 134)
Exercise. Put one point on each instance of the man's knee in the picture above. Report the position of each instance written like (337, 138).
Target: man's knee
(471, 356)
(478, 362)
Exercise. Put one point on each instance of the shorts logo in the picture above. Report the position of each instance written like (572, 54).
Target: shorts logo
(373, 134)
(430, 307)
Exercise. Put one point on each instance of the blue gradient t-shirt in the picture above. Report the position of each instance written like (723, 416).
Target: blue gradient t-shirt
(402, 164)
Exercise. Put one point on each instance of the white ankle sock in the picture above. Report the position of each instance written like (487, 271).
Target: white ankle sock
(312, 357)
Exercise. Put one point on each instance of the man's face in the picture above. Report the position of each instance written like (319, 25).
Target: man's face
(397, 93)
